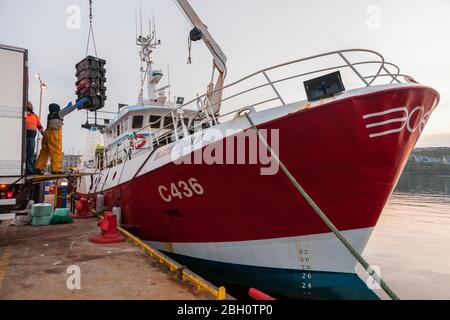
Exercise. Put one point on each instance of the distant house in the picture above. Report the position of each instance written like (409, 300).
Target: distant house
(430, 160)
(446, 160)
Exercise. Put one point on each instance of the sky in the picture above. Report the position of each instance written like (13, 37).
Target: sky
(254, 34)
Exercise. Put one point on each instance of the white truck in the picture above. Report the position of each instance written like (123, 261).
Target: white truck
(13, 101)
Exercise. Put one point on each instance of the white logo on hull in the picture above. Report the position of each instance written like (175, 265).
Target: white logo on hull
(403, 117)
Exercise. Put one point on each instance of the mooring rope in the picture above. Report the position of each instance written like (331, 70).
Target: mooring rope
(324, 218)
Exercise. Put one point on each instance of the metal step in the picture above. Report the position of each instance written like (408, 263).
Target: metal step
(7, 202)
(7, 216)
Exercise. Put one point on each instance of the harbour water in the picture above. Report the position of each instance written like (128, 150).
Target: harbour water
(411, 242)
(410, 245)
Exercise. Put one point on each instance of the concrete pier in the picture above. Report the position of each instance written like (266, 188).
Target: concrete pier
(43, 263)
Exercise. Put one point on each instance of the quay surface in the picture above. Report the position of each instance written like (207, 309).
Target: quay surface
(38, 262)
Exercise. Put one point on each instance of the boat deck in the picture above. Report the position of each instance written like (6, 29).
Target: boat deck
(34, 262)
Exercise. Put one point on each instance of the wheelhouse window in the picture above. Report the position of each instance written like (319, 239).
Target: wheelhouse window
(138, 121)
(168, 122)
(186, 123)
(118, 129)
(155, 122)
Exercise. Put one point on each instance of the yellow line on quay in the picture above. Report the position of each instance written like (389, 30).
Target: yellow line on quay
(4, 227)
(4, 261)
(186, 274)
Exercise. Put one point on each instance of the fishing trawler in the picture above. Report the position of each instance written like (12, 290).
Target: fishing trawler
(192, 179)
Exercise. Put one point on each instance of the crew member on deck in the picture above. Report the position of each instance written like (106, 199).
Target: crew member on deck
(52, 142)
(32, 125)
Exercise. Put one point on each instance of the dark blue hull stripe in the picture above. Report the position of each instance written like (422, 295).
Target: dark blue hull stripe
(286, 283)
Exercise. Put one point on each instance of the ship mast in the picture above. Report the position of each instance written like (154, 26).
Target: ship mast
(219, 57)
(149, 76)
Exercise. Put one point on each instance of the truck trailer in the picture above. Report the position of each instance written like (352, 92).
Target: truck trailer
(13, 102)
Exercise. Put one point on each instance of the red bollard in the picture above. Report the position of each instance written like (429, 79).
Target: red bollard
(82, 209)
(108, 231)
(259, 295)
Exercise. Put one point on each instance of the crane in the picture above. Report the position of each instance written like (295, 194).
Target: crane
(219, 57)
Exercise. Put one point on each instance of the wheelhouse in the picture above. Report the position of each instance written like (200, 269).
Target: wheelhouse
(141, 126)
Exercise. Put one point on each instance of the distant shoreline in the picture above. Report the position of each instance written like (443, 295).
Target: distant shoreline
(429, 161)
(427, 173)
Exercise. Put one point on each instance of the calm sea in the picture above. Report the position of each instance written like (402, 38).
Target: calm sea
(411, 242)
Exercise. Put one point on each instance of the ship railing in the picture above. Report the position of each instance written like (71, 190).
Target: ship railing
(383, 70)
(379, 70)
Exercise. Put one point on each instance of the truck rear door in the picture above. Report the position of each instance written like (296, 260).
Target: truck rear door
(13, 100)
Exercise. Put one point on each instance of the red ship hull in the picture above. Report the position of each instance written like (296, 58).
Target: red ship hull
(347, 153)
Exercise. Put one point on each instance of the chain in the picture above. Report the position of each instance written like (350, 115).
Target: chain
(90, 11)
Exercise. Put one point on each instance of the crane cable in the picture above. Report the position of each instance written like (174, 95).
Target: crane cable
(91, 31)
(184, 14)
(189, 60)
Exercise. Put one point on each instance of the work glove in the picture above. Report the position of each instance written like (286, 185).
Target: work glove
(80, 102)
(69, 105)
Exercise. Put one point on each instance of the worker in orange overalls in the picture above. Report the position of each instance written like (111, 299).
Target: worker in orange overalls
(32, 126)
(52, 142)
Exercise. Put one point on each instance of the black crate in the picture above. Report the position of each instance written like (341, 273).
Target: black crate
(91, 92)
(99, 81)
(90, 62)
(92, 95)
(98, 85)
(90, 73)
(94, 103)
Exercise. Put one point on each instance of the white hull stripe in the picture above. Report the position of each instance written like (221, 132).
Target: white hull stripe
(320, 252)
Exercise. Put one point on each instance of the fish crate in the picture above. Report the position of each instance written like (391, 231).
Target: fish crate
(92, 63)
